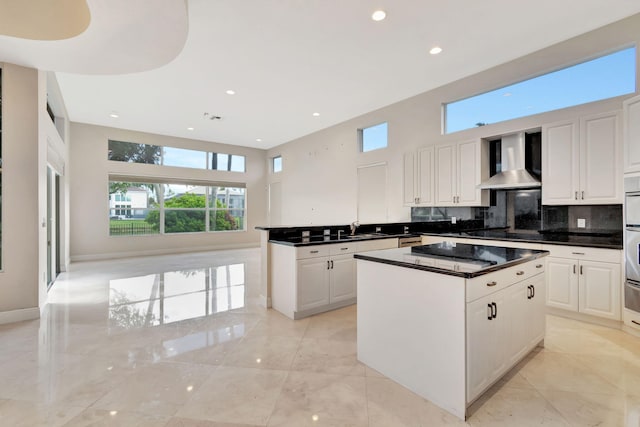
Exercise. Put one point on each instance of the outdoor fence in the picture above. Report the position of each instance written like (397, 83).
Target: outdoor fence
(130, 228)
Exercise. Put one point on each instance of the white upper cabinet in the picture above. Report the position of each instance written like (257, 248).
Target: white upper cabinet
(418, 178)
(582, 161)
(460, 168)
(560, 172)
(631, 109)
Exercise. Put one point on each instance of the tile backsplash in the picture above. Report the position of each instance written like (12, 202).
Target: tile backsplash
(605, 217)
(522, 210)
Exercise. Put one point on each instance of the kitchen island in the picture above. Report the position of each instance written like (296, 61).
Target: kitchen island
(447, 321)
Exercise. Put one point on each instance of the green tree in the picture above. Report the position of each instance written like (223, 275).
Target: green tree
(177, 221)
(134, 153)
(223, 219)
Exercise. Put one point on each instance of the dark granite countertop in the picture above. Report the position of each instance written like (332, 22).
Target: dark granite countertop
(479, 258)
(333, 238)
(606, 239)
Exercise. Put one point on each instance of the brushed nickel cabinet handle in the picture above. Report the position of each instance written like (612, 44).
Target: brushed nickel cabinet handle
(492, 283)
(539, 265)
(519, 273)
(574, 269)
(580, 269)
(583, 195)
(577, 253)
(576, 195)
(313, 252)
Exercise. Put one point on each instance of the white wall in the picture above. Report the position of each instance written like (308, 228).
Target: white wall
(90, 169)
(319, 176)
(24, 152)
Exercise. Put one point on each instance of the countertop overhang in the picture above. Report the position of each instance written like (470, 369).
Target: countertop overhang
(333, 238)
(585, 239)
(487, 259)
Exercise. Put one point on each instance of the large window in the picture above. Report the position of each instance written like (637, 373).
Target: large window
(137, 208)
(132, 152)
(373, 137)
(601, 78)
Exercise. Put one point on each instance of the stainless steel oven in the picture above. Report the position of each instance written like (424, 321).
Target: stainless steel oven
(632, 243)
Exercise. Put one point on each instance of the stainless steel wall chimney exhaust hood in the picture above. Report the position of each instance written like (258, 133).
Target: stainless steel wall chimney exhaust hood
(514, 174)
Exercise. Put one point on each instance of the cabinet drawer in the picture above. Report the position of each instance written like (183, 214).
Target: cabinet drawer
(578, 252)
(492, 282)
(312, 251)
(343, 248)
(376, 245)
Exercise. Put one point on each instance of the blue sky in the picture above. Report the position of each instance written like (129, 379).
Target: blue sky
(601, 78)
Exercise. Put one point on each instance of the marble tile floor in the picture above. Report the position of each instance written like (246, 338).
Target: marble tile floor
(181, 341)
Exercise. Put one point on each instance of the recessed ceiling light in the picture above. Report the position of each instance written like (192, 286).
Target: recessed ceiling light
(435, 50)
(231, 92)
(190, 128)
(258, 139)
(379, 15)
(315, 114)
(114, 115)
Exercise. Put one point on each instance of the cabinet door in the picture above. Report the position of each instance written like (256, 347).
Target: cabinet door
(537, 324)
(342, 278)
(469, 173)
(313, 283)
(631, 126)
(409, 180)
(526, 328)
(562, 283)
(446, 186)
(485, 343)
(600, 159)
(425, 177)
(520, 314)
(600, 289)
(560, 164)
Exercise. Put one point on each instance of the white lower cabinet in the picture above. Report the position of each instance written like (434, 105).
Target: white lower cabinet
(312, 279)
(502, 328)
(325, 280)
(342, 278)
(313, 283)
(585, 280)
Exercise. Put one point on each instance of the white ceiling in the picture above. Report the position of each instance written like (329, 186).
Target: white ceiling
(287, 59)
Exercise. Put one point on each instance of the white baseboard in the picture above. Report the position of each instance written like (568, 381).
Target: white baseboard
(19, 315)
(168, 251)
(614, 324)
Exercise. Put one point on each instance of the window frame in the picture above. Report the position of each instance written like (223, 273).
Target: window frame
(361, 137)
(162, 209)
(273, 164)
(505, 90)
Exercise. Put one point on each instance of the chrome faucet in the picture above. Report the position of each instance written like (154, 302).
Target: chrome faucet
(354, 225)
(339, 234)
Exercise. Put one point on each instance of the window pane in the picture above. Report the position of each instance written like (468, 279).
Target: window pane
(227, 162)
(184, 158)
(237, 163)
(605, 77)
(133, 208)
(131, 152)
(374, 137)
(277, 164)
(220, 162)
(184, 221)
